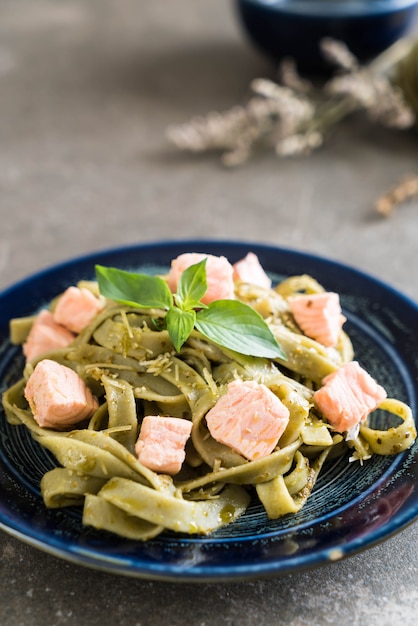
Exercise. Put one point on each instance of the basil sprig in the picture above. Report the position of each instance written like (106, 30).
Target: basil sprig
(229, 323)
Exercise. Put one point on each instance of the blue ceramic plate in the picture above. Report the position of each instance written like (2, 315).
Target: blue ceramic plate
(352, 507)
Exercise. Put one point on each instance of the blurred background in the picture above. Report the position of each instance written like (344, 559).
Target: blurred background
(87, 90)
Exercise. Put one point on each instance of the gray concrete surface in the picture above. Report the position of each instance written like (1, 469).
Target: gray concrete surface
(86, 92)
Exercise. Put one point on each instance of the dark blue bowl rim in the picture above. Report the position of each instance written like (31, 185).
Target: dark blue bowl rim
(44, 283)
(331, 8)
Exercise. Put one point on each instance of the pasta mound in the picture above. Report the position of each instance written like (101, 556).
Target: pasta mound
(134, 371)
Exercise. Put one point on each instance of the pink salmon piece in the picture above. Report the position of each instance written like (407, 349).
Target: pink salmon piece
(347, 396)
(161, 443)
(57, 396)
(219, 275)
(45, 335)
(249, 418)
(319, 316)
(76, 308)
(249, 270)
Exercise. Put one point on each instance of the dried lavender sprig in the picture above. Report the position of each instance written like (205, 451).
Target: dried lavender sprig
(215, 131)
(285, 118)
(274, 111)
(383, 102)
(406, 189)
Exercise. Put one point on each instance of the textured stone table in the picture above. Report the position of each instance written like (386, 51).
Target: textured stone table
(87, 90)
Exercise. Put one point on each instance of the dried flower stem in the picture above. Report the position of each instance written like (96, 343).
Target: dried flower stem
(330, 113)
(404, 190)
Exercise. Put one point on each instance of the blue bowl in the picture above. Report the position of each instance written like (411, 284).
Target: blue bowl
(294, 28)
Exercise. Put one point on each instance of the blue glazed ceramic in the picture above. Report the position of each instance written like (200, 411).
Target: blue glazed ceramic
(294, 27)
(352, 507)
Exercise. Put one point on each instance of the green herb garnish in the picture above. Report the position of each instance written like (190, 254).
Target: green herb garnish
(229, 323)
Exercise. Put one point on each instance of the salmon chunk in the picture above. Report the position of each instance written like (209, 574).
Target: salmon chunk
(161, 443)
(45, 335)
(76, 308)
(249, 270)
(219, 275)
(319, 316)
(57, 396)
(249, 418)
(348, 396)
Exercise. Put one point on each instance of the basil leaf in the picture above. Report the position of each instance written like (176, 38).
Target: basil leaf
(179, 325)
(235, 325)
(192, 286)
(138, 290)
(229, 323)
